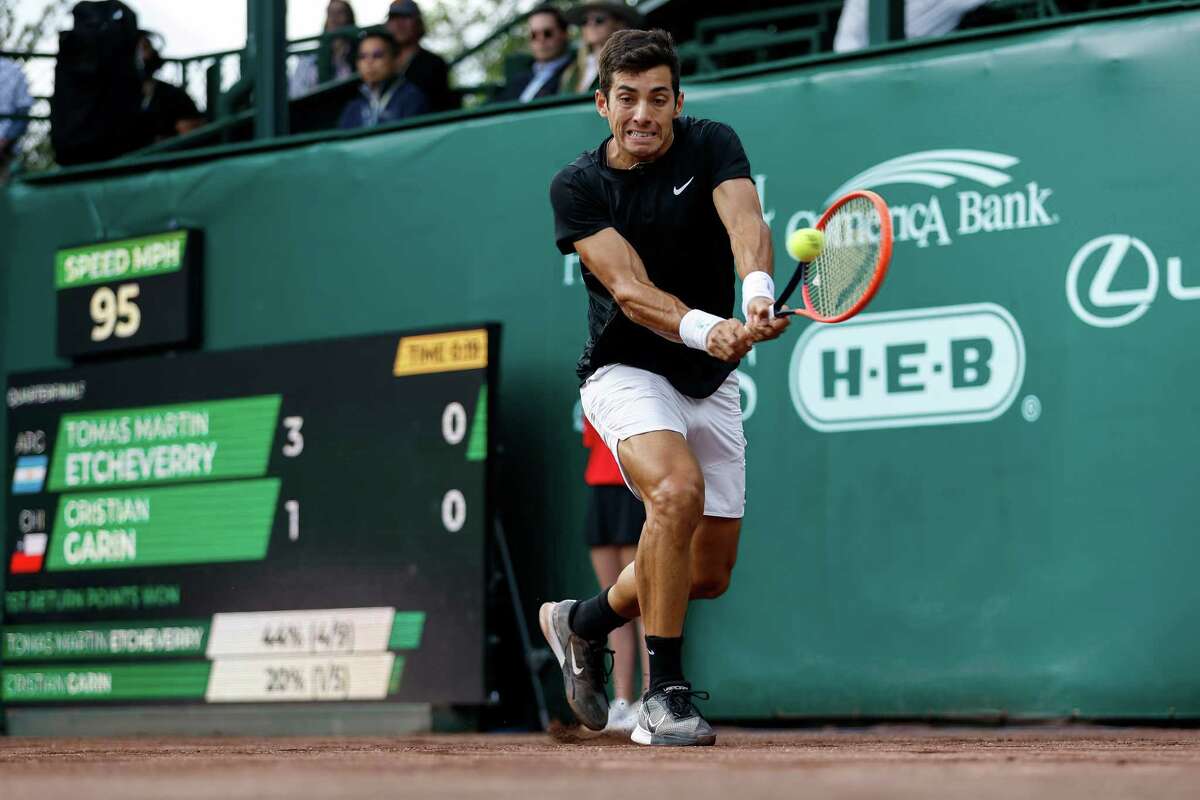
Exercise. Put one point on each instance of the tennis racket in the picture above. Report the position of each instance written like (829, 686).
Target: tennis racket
(839, 282)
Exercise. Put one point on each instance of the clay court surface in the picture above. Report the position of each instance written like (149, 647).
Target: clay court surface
(894, 762)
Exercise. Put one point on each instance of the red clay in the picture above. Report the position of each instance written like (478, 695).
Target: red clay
(896, 762)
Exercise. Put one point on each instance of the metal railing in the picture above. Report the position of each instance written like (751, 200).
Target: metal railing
(760, 36)
(721, 43)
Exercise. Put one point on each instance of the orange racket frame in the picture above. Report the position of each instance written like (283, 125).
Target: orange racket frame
(882, 259)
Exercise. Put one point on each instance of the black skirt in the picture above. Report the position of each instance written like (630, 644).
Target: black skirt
(614, 517)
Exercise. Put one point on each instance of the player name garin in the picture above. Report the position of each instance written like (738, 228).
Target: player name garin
(100, 547)
(18, 684)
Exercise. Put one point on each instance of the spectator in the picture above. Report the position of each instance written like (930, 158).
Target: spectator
(427, 71)
(614, 524)
(597, 21)
(338, 14)
(167, 110)
(386, 95)
(548, 42)
(14, 100)
(921, 18)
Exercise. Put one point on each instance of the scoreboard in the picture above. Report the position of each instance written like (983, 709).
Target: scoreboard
(303, 522)
(129, 295)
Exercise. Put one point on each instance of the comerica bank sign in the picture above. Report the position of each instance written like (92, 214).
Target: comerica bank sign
(985, 201)
(929, 366)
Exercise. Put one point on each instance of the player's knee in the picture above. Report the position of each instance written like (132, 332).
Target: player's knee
(678, 501)
(710, 585)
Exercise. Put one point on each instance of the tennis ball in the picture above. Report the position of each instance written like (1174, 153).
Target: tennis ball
(805, 244)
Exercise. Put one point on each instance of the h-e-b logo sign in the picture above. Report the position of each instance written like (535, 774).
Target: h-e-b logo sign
(934, 366)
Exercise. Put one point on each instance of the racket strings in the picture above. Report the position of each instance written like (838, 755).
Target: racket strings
(841, 274)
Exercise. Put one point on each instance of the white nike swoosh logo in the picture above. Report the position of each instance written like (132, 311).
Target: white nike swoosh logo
(679, 189)
(654, 723)
(578, 670)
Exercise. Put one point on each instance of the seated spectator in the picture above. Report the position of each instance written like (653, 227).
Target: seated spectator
(167, 110)
(548, 43)
(386, 95)
(597, 21)
(921, 18)
(15, 100)
(338, 14)
(427, 71)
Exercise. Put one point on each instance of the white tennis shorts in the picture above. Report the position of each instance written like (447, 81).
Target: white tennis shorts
(623, 401)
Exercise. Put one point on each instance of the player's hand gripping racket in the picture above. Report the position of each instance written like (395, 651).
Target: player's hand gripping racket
(844, 276)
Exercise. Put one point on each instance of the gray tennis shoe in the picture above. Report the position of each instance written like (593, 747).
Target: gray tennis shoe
(669, 717)
(582, 665)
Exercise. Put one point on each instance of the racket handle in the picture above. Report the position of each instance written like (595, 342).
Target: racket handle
(797, 276)
(789, 312)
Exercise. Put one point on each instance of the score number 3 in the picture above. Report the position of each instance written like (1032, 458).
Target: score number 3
(115, 312)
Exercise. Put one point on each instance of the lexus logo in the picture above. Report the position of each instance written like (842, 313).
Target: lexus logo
(1126, 262)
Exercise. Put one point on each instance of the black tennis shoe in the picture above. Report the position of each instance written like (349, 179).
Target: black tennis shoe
(582, 665)
(669, 717)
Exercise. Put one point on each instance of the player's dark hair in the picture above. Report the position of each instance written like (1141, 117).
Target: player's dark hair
(635, 51)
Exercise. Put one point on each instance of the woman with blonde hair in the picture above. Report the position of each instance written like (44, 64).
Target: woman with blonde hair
(597, 21)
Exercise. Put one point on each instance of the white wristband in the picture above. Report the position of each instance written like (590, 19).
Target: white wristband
(757, 284)
(695, 327)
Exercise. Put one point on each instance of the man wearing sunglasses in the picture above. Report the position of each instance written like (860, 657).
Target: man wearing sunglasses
(385, 95)
(597, 21)
(548, 44)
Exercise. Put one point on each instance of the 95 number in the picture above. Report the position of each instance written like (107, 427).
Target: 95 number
(114, 313)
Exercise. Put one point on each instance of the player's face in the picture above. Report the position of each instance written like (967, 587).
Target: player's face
(640, 109)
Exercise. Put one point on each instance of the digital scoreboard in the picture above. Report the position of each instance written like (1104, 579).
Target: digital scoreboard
(296, 523)
(129, 295)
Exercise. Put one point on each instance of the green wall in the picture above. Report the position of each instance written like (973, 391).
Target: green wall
(1002, 519)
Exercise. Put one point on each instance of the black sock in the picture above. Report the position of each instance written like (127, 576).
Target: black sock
(666, 661)
(594, 619)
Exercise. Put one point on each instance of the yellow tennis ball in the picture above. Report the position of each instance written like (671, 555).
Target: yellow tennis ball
(805, 244)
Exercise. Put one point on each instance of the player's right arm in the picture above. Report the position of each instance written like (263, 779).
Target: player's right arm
(611, 258)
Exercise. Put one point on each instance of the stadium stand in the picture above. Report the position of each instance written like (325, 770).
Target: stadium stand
(762, 33)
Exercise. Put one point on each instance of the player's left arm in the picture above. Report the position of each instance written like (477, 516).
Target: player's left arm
(737, 204)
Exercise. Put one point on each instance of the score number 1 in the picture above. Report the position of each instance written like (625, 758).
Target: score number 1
(115, 313)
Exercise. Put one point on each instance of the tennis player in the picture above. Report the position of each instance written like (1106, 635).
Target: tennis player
(661, 214)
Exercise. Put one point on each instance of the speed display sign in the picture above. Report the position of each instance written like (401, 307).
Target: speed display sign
(129, 295)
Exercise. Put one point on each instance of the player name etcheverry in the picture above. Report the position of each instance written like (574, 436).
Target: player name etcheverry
(133, 464)
(49, 644)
